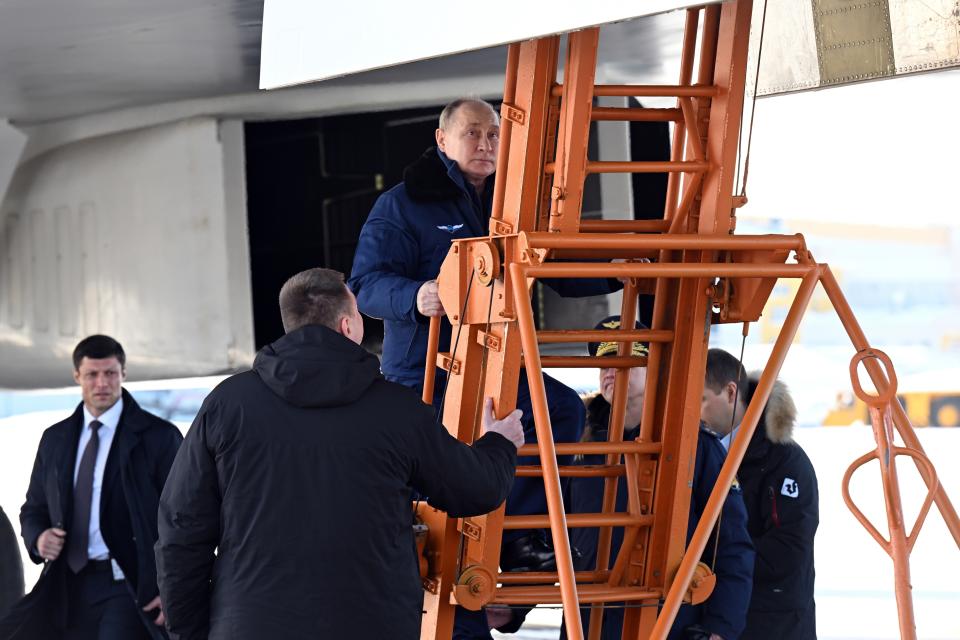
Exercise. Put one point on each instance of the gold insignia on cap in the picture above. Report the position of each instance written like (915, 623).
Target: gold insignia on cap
(639, 349)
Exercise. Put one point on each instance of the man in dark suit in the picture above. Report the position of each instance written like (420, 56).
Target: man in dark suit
(91, 511)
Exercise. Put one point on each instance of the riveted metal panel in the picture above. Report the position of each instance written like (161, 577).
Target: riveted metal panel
(926, 35)
(854, 41)
(789, 57)
(821, 43)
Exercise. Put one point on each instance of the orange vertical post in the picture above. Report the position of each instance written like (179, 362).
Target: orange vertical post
(576, 103)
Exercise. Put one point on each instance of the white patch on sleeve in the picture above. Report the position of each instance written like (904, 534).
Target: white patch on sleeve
(790, 488)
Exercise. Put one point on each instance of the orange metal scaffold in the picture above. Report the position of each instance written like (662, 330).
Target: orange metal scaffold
(699, 273)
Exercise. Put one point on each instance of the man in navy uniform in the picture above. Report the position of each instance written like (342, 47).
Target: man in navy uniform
(722, 616)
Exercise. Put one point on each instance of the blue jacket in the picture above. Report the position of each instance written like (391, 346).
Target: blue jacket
(724, 613)
(402, 245)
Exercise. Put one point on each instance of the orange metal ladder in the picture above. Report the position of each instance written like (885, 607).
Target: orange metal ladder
(700, 275)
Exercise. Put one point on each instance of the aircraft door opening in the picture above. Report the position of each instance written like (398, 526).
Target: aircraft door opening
(310, 186)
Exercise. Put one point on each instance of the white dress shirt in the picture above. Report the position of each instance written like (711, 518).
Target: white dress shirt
(96, 547)
(725, 440)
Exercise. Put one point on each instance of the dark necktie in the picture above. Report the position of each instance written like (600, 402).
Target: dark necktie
(79, 533)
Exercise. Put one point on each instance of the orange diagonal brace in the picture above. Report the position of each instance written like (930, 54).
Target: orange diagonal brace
(548, 455)
(900, 419)
(737, 450)
(901, 542)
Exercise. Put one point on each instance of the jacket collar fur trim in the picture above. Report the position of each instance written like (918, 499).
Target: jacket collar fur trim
(429, 180)
(780, 414)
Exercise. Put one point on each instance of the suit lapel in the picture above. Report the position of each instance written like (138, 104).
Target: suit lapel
(63, 470)
(125, 440)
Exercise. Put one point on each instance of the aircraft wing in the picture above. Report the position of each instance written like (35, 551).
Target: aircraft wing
(806, 45)
(304, 42)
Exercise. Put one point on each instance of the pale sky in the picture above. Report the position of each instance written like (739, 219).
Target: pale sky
(883, 152)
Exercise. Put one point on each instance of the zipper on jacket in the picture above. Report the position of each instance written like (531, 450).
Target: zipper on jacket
(773, 507)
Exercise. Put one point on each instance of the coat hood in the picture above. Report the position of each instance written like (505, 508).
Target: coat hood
(316, 367)
(780, 414)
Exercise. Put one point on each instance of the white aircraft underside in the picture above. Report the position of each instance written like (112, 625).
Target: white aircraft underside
(122, 148)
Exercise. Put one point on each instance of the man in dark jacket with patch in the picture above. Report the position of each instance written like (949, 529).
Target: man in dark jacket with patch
(445, 195)
(91, 512)
(722, 616)
(287, 514)
(780, 491)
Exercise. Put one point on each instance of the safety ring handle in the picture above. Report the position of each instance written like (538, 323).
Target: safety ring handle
(882, 398)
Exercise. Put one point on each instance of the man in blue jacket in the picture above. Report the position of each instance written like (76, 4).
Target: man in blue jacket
(723, 615)
(445, 195)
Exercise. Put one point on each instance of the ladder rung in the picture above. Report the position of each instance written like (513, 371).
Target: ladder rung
(671, 242)
(624, 226)
(594, 448)
(634, 114)
(594, 362)
(579, 520)
(667, 270)
(548, 577)
(622, 166)
(647, 90)
(586, 594)
(575, 471)
(617, 166)
(603, 335)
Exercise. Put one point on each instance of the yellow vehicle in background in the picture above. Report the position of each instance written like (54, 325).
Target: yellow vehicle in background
(932, 400)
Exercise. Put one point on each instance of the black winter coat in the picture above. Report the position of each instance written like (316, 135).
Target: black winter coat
(140, 457)
(780, 490)
(299, 474)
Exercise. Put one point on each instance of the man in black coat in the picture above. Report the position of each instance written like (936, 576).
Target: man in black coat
(91, 512)
(780, 491)
(288, 513)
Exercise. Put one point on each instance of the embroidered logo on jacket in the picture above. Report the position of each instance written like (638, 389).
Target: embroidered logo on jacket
(450, 228)
(790, 488)
(735, 487)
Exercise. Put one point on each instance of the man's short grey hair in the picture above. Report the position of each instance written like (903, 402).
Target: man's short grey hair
(446, 116)
(315, 296)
